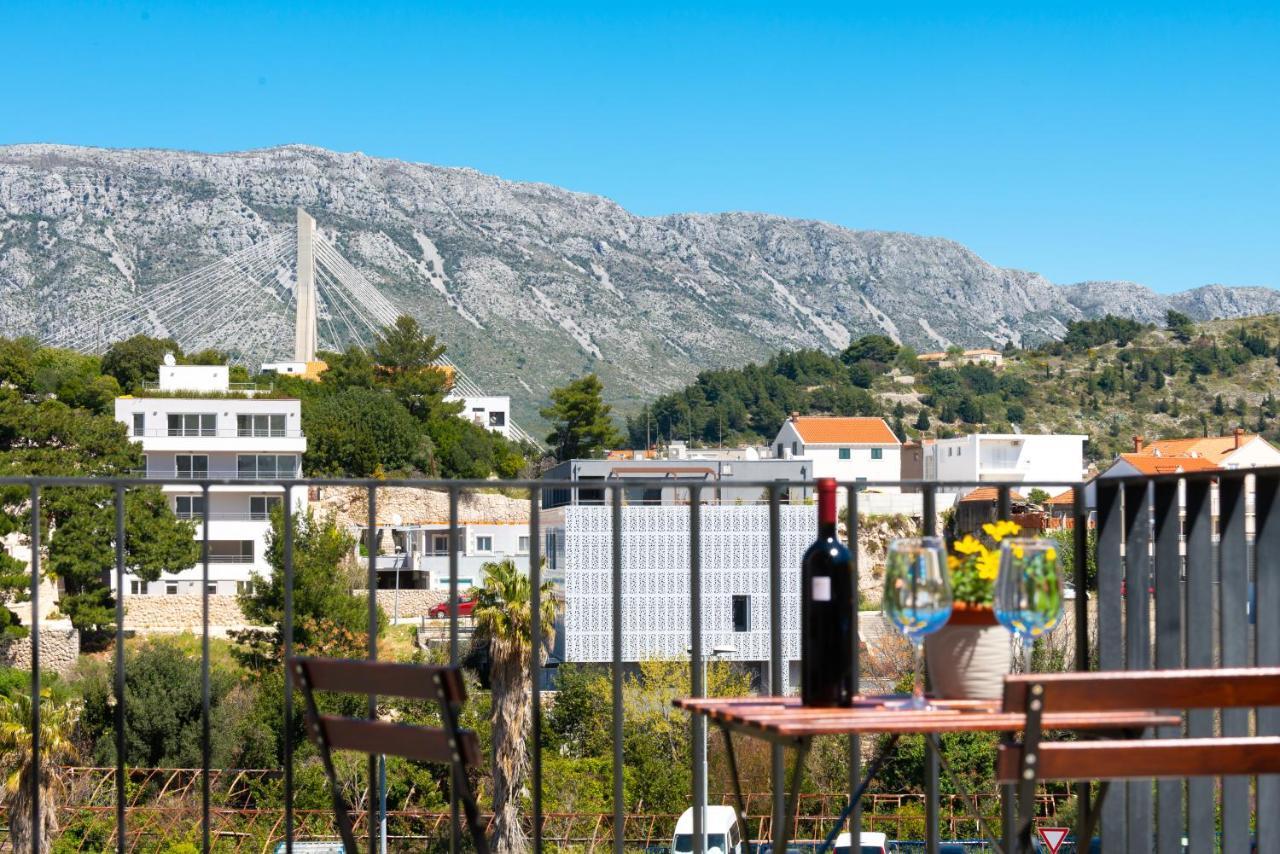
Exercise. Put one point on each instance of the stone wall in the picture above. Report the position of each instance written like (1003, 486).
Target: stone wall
(413, 603)
(59, 649)
(180, 613)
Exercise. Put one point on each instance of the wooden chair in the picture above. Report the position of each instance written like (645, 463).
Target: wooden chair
(448, 745)
(1125, 755)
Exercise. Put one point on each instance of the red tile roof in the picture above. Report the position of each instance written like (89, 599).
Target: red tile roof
(827, 430)
(1152, 464)
(992, 494)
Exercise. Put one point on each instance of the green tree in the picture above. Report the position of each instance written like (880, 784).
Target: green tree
(504, 620)
(878, 349)
(922, 420)
(137, 360)
(57, 726)
(580, 419)
(355, 431)
(1180, 325)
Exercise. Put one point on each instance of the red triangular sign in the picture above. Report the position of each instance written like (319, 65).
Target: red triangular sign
(1054, 837)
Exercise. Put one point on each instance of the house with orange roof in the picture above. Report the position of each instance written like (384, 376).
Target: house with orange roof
(1240, 450)
(852, 450)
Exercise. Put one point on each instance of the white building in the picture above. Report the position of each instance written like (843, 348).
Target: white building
(1006, 458)
(492, 412)
(237, 437)
(420, 553)
(851, 450)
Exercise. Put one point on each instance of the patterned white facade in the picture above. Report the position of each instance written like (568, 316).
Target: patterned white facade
(655, 572)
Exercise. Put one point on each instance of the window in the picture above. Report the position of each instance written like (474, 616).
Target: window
(189, 506)
(231, 551)
(192, 465)
(244, 587)
(795, 449)
(497, 419)
(862, 484)
(779, 453)
(440, 544)
(846, 453)
(593, 495)
(139, 423)
(484, 544)
(135, 588)
(266, 466)
(212, 588)
(522, 545)
(260, 505)
(171, 588)
(742, 613)
(193, 424)
(877, 453)
(260, 425)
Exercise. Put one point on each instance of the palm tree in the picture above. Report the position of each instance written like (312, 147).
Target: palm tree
(502, 614)
(57, 721)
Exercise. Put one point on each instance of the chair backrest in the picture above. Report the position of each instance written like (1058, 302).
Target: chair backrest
(1122, 690)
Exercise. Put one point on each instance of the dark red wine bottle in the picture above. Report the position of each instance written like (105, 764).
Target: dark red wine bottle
(826, 612)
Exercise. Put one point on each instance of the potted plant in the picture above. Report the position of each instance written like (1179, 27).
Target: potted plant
(969, 657)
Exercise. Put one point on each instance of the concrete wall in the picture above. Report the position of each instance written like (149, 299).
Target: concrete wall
(59, 649)
(180, 613)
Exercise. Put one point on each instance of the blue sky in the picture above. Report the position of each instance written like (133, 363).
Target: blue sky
(1081, 141)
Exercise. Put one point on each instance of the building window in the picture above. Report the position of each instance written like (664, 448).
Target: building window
(189, 506)
(212, 588)
(266, 466)
(779, 454)
(484, 544)
(877, 453)
(497, 419)
(192, 465)
(795, 449)
(244, 588)
(260, 506)
(193, 424)
(230, 551)
(260, 425)
(135, 588)
(846, 453)
(742, 613)
(862, 484)
(440, 544)
(139, 423)
(171, 588)
(522, 545)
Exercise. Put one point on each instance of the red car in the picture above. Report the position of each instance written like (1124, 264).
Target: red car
(465, 606)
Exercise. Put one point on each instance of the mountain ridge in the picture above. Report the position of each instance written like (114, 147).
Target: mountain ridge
(528, 283)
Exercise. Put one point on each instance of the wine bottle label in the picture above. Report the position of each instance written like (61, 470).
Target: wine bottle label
(820, 588)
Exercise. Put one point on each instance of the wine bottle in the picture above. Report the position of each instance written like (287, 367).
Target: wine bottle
(826, 612)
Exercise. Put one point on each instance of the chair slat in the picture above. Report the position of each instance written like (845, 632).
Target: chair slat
(1144, 759)
(1218, 688)
(413, 681)
(411, 742)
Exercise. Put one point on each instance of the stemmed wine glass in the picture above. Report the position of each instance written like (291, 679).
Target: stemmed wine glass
(1028, 594)
(917, 598)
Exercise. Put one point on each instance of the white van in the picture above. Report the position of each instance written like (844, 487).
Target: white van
(720, 824)
(868, 843)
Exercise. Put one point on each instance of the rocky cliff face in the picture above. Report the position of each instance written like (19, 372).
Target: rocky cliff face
(527, 283)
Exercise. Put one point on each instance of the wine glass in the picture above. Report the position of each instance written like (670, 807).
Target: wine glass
(917, 598)
(1028, 594)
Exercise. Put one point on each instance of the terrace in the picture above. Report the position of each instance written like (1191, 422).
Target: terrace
(1180, 581)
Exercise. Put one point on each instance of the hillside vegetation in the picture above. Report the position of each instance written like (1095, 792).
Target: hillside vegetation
(1109, 379)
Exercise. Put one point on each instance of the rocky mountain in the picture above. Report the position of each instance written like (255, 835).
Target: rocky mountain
(528, 284)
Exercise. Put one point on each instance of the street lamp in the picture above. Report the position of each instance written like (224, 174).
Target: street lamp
(700, 786)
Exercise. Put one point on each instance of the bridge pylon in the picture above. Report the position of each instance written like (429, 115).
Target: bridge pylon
(305, 322)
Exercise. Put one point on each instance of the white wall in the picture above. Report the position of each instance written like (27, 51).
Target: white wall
(827, 462)
(194, 378)
(1021, 458)
(1253, 454)
(480, 410)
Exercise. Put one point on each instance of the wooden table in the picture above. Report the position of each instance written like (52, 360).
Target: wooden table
(784, 721)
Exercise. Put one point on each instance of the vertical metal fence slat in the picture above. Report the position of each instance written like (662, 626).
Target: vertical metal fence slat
(615, 624)
(1008, 809)
(1201, 809)
(931, 789)
(1234, 594)
(371, 809)
(35, 667)
(206, 832)
(1080, 577)
(777, 767)
(1267, 601)
(535, 667)
(121, 787)
(1137, 626)
(287, 523)
(455, 819)
(1111, 636)
(855, 743)
(697, 723)
(1168, 641)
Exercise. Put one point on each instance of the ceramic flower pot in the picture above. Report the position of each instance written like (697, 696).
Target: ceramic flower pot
(968, 658)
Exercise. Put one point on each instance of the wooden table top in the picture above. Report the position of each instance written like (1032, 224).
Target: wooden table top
(784, 716)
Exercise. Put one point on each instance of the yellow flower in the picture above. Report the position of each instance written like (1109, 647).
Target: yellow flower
(969, 546)
(999, 530)
(988, 566)
(953, 562)
(1051, 554)
(1017, 552)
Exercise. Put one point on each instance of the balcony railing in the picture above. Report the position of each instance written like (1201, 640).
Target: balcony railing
(1200, 603)
(209, 476)
(218, 433)
(154, 385)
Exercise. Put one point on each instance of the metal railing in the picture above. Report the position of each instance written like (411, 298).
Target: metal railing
(216, 433)
(1213, 581)
(217, 477)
